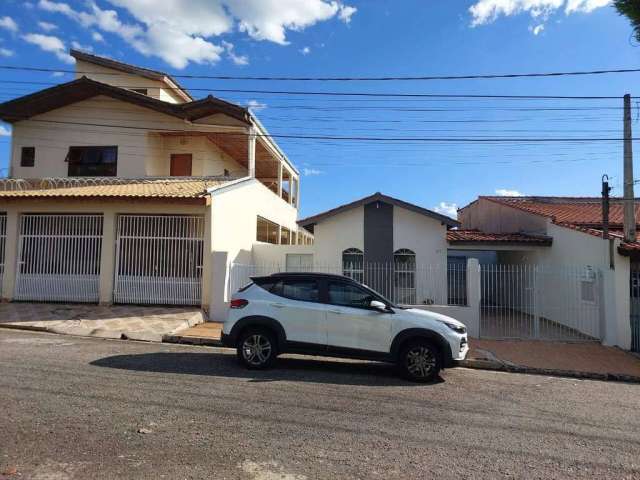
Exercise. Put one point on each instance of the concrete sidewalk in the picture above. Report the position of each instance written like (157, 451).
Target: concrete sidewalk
(115, 321)
(581, 360)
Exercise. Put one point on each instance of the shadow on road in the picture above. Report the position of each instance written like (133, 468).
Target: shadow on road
(287, 369)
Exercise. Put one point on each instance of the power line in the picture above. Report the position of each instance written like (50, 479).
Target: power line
(352, 79)
(359, 94)
(371, 138)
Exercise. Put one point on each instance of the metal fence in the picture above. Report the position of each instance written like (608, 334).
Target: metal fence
(159, 259)
(540, 302)
(59, 258)
(3, 242)
(402, 284)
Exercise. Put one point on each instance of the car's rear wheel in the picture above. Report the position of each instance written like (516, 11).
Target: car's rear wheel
(420, 360)
(257, 348)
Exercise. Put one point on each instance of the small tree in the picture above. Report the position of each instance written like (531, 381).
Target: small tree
(631, 10)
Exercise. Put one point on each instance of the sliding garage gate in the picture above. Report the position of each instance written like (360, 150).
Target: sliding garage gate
(59, 258)
(159, 259)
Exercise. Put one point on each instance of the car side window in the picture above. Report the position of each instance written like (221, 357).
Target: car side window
(347, 295)
(303, 290)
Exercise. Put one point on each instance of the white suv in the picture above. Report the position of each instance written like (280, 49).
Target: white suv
(331, 315)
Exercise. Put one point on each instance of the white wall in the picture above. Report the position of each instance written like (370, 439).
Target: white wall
(155, 88)
(335, 234)
(269, 254)
(234, 212)
(141, 152)
(493, 217)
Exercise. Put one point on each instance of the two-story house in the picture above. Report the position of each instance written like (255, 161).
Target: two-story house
(123, 188)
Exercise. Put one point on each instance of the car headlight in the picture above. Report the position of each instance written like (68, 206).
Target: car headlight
(456, 328)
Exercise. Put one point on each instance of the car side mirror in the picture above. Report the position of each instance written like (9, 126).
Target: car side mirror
(378, 305)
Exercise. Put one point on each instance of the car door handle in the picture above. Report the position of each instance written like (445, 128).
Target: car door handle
(278, 305)
(337, 312)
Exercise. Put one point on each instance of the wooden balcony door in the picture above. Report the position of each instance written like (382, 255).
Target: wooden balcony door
(180, 165)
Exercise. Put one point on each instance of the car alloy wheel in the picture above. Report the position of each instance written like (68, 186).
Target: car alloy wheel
(420, 361)
(256, 349)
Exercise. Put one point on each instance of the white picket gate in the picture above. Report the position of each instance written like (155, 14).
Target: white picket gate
(59, 258)
(3, 241)
(159, 259)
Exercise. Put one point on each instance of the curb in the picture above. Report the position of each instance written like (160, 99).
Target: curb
(208, 342)
(480, 364)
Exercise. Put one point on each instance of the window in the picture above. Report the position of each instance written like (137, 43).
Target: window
(294, 192)
(286, 186)
(347, 295)
(143, 91)
(267, 231)
(28, 157)
(588, 286)
(92, 161)
(404, 276)
(353, 264)
(303, 290)
(285, 236)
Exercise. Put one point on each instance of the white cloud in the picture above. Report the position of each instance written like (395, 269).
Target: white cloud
(585, 6)
(256, 106)
(5, 52)
(178, 31)
(448, 209)
(4, 131)
(58, 74)
(97, 37)
(345, 13)
(487, 11)
(305, 51)
(47, 27)
(8, 24)
(537, 30)
(49, 43)
(79, 46)
(233, 56)
(505, 192)
(309, 172)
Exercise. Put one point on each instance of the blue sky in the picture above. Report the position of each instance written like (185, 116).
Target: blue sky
(372, 38)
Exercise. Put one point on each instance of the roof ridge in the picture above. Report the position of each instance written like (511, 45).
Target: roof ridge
(127, 67)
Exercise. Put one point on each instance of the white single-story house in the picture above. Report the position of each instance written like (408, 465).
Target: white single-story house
(574, 228)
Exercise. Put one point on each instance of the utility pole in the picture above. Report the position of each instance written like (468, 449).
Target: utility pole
(629, 200)
(606, 190)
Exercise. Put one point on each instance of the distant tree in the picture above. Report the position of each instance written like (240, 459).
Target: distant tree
(631, 10)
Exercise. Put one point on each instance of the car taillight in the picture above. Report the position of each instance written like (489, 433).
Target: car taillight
(239, 303)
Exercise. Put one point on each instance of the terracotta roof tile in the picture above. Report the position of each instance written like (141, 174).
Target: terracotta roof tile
(164, 188)
(583, 211)
(476, 236)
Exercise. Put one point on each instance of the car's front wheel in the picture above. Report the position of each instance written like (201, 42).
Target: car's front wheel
(420, 361)
(256, 348)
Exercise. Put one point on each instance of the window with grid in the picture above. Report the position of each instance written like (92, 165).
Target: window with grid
(92, 161)
(353, 264)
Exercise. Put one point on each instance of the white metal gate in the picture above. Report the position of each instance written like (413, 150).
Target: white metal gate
(3, 241)
(159, 259)
(59, 258)
(540, 302)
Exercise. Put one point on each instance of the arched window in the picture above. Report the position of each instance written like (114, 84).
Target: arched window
(404, 276)
(353, 264)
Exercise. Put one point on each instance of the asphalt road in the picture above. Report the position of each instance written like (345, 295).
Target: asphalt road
(75, 408)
